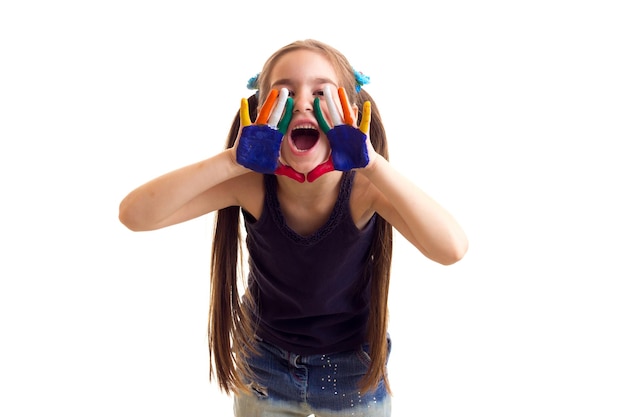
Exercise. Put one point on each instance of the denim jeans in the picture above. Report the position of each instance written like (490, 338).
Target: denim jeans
(285, 384)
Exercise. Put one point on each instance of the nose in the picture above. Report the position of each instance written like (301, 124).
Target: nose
(302, 103)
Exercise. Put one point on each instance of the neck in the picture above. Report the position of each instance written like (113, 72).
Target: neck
(310, 190)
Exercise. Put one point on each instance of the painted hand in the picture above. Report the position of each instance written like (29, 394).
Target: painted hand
(258, 147)
(348, 145)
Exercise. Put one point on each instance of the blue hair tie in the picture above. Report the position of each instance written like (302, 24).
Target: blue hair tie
(253, 83)
(361, 79)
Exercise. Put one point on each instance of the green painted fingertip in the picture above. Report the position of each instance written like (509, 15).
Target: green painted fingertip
(320, 116)
(284, 122)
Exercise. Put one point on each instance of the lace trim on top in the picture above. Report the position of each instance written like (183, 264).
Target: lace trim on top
(339, 210)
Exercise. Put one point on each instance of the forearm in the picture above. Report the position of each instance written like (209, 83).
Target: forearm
(419, 218)
(151, 205)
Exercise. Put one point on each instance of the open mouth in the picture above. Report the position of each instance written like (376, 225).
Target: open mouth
(304, 138)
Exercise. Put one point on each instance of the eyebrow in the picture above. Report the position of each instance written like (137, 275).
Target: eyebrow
(319, 80)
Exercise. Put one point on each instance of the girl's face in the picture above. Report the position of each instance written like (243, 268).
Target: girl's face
(304, 73)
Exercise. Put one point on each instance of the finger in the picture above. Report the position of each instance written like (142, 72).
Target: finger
(320, 170)
(288, 171)
(278, 109)
(332, 107)
(317, 110)
(366, 117)
(264, 113)
(345, 105)
(244, 113)
(284, 122)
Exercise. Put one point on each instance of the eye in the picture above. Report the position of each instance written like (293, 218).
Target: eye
(291, 93)
(319, 93)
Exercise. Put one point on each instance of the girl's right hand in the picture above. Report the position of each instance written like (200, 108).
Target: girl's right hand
(258, 145)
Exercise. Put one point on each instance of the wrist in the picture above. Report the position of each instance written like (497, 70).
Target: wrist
(373, 165)
(236, 167)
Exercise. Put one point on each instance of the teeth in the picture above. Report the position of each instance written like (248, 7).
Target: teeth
(304, 126)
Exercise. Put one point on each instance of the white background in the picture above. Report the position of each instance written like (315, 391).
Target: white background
(511, 114)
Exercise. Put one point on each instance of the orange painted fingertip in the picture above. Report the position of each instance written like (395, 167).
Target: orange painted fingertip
(266, 109)
(345, 106)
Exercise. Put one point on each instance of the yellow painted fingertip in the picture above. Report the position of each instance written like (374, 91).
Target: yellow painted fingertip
(244, 113)
(366, 118)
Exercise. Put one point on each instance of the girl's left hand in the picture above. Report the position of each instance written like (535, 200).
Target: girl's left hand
(349, 145)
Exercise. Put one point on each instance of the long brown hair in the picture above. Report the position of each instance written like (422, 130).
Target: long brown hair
(231, 330)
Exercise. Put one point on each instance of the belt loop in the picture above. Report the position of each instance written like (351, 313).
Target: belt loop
(294, 359)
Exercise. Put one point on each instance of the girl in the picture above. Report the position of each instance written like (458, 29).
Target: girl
(318, 198)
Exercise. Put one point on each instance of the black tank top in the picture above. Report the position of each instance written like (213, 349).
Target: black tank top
(311, 292)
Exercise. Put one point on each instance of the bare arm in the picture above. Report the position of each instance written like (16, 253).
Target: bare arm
(184, 194)
(420, 219)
